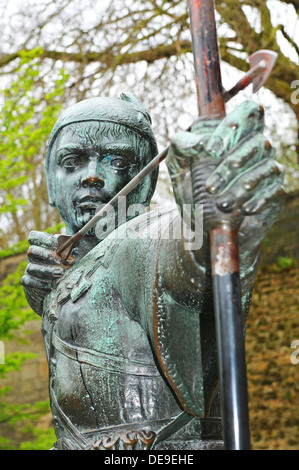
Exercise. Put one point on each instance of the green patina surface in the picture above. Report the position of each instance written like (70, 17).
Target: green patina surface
(129, 327)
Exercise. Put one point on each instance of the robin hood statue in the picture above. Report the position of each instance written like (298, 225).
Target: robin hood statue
(128, 321)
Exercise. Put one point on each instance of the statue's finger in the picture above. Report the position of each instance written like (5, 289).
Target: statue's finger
(187, 144)
(242, 121)
(205, 126)
(44, 272)
(30, 282)
(239, 160)
(37, 254)
(252, 183)
(184, 146)
(257, 204)
(42, 239)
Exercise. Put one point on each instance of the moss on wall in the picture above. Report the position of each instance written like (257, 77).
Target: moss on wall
(273, 380)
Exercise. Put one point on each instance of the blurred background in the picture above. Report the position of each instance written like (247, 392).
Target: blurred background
(53, 54)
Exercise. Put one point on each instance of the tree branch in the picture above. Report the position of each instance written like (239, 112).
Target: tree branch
(288, 38)
(108, 59)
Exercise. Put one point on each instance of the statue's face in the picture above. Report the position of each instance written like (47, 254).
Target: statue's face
(91, 168)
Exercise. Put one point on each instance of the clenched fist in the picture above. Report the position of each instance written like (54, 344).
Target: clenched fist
(230, 168)
(43, 268)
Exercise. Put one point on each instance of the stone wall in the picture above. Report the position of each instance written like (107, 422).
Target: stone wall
(273, 380)
(9, 265)
(283, 238)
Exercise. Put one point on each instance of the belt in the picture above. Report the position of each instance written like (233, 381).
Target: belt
(104, 361)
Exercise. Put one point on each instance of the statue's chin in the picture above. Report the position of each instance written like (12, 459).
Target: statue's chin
(77, 221)
(84, 216)
(101, 229)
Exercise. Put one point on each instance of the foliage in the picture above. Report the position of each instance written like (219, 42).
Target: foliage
(285, 263)
(14, 307)
(25, 417)
(22, 140)
(25, 124)
(100, 39)
(15, 312)
(43, 440)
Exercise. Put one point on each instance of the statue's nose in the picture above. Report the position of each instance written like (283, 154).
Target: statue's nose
(92, 179)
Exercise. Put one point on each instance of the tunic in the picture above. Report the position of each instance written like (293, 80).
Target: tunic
(131, 344)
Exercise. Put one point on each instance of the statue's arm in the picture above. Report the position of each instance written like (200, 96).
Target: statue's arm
(228, 167)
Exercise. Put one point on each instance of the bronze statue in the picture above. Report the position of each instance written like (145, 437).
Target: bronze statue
(128, 321)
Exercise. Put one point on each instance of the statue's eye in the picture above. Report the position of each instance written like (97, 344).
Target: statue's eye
(119, 163)
(70, 162)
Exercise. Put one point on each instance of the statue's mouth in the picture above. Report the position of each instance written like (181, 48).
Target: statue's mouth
(87, 206)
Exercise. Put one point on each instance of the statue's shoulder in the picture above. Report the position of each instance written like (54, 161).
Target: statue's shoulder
(138, 236)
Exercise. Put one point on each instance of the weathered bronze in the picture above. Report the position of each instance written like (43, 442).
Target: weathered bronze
(127, 307)
(128, 321)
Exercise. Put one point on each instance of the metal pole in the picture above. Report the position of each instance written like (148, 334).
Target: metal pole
(223, 244)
